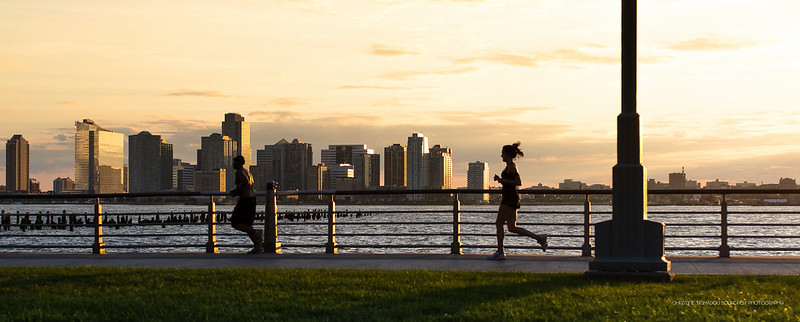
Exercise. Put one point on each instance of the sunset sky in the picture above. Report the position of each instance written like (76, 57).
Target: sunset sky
(717, 79)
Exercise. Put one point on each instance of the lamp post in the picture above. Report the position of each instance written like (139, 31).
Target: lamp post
(629, 245)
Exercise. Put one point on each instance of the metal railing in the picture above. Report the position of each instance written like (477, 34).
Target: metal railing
(318, 228)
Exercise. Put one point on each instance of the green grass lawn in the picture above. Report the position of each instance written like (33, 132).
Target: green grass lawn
(120, 294)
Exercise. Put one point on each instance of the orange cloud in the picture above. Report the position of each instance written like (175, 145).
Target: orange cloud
(383, 50)
(413, 74)
(288, 101)
(711, 43)
(537, 58)
(370, 87)
(201, 93)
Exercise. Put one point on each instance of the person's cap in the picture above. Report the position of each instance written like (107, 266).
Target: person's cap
(238, 158)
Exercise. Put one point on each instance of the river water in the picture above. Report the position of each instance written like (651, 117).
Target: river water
(358, 220)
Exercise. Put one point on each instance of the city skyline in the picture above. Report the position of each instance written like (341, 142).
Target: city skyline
(715, 79)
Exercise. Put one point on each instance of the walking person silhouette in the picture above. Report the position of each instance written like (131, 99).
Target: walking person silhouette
(244, 214)
(507, 214)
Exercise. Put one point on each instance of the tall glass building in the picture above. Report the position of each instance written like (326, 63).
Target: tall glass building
(478, 178)
(238, 130)
(417, 161)
(17, 164)
(394, 170)
(99, 159)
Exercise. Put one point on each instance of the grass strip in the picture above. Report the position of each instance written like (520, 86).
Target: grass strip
(239, 294)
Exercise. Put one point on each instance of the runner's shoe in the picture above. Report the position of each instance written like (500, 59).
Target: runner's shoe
(543, 241)
(258, 250)
(497, 256)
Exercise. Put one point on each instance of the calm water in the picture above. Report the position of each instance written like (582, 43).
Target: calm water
(362, 220)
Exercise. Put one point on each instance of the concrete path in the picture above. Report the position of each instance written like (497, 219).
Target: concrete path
(513, 263)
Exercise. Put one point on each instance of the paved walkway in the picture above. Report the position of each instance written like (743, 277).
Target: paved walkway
(513, 263)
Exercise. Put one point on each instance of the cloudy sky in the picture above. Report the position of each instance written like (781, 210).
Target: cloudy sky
(717, 79)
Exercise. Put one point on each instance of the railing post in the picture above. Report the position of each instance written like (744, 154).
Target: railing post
(211, 245)
(98, 247)
(331, 247)
(271, 244)
(724, 249)
(455, 247)
(586, 249)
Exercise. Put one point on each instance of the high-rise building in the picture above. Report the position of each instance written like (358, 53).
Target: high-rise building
(63, 185)
(211, 180)
(478, 178)
(238, 130)
(183, 175)
(394, 166)
(677, 180)
(17, 164)
(166, 165)
(145, 163)
(33, 186)
(289, 163)
(342, 176)
(318, 178)
(217, 152)
(365, 162)
(417, 161)
(440, 168)
(99, 159)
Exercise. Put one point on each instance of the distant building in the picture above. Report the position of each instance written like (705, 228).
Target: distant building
(238, 130)
(33, 186)
(365, 162)
(478, 178)
(746, 185)
(287, 163)
(182, 175)
(17, 164)
(99, 159)
(540, 186)
(717, 184)
(341, 176)
(63, 185)
(787, 183)
(211, 180)
(149, 163)
(692, 184)
(570, 184)
(677, 180)
(216, 153)
(440, 168)
(417, 161)
(652, 184)
(599, 186)
(394, 166)
(318, 178)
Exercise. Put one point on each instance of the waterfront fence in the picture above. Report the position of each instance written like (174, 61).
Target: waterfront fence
(445, 229)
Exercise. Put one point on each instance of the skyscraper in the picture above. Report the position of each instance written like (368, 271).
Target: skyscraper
(62, 185)
(238, 130)
(394, 166)
(478, 178)
(144, 162)
(417, 161)
(365, 162)
(440, 168)
(17, 164)
(99, 159)
(289, 163)
(216, 153)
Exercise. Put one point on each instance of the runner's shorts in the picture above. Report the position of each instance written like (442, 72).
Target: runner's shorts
(245, 211)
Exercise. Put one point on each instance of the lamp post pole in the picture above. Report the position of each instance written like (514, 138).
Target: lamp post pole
(629, 245)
